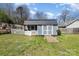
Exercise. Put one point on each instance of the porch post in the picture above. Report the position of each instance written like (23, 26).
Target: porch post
(42, 29)
(52, 30)
(47, 29)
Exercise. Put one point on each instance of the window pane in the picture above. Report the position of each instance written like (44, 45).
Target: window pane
(45, 32)
(32, 27)
(49, 32)
(45, 28)
(39, 30)
(29, 27)
(35, 27)
(50, 28)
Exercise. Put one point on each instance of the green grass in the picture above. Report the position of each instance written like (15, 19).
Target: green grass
(17, 45)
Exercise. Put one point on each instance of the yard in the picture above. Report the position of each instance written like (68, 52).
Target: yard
(17, 45)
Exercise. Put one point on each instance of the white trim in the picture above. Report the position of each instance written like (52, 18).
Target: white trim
(47, 29)
(42, 30)
(52, 30)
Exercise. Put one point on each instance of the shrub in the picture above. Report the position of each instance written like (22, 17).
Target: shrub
(58, 32)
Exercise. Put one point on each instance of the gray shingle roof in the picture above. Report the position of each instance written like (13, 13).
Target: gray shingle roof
(66, 23)
(40, 22)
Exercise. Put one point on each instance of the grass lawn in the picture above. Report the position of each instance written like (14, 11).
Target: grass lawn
(17, 45)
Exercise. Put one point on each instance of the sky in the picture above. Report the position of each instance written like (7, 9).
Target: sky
(53, 9)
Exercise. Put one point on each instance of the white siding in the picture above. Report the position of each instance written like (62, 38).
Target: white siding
(44, 30)
(31, 32)
(55, 28)
(47, 30)
(39, 30)
(74, 25)
(17, 31)
(28, 33)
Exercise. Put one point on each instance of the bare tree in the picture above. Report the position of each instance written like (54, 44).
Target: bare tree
(22, 13)
(64, 15)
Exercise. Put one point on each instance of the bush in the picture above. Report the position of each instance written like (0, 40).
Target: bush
(58, 32)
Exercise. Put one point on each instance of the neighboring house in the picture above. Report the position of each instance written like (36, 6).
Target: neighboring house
(70, 27)
(40, 27)
(66, 23)
(73, 27)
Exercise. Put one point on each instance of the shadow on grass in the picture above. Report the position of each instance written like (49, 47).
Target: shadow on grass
(5, 33)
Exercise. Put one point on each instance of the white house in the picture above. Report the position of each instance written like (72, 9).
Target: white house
(73, 27)
(39, 27)
(74, 24)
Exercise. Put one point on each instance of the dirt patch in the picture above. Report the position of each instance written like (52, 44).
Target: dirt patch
(51, 39)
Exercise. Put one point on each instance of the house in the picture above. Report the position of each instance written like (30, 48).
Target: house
(66, 23)
(39, 27)
(73, 27)
(70, 26)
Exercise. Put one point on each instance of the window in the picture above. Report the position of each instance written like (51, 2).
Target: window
(45, 32)
(50, 28)
(47, 29)
(32, 27)
(49, 32)
(35, 27)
